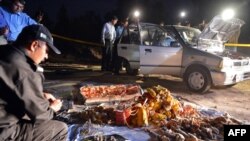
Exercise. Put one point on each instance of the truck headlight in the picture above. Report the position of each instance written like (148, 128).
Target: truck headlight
(226, 63)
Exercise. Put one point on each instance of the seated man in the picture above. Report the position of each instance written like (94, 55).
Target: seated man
(26, 112)
(166, 41)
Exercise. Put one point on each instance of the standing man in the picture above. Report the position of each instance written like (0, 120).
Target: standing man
(202, 25)
(39, 16)
(26, 112)
(119, 30)
(15, 18)
(108, 39)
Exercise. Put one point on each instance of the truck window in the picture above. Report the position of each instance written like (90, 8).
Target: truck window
(125, 37)
(134, 37)
(155, 36)
(131, 36)
(149, 35)
(146, 40)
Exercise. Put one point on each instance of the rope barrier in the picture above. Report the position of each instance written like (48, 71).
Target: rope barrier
(96, 44)
(238, 45)
(75, 40)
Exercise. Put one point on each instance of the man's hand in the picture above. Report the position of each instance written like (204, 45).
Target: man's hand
(4, 31)
(55, 104)
(49, 97)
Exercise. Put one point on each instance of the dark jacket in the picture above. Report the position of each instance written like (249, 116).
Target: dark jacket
(21, 89)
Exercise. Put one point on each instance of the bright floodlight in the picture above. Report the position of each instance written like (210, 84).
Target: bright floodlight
(137, 13)
(183, 14)
(228, 14)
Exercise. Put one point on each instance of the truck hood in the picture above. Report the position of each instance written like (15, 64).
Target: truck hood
(217, 32)
(221, 30)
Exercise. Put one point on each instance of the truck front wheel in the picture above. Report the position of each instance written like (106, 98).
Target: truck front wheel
(129, 70)
(198, 79)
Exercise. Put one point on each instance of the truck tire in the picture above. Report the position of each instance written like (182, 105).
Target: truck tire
(231, 85)
(129, 70)
(198, 79)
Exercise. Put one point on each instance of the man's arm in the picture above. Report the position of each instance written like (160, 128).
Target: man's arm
(114, 35)
(31, 93)
(103, 33)
(28, 19)
(55, 104)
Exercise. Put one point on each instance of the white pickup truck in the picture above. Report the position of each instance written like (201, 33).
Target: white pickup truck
(200, 58)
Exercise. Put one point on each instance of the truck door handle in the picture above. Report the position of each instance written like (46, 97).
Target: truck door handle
(148, 50)
(123, 47)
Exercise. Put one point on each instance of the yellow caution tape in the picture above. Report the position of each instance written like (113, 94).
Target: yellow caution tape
(75, 40)
(238, 45)
(96, 44)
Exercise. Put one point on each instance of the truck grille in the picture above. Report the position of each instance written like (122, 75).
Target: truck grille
(247, 75)
(241, 63)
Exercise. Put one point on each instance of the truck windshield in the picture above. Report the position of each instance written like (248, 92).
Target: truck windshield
(189, 34)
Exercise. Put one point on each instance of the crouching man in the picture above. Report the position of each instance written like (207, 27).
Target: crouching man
(25, 111)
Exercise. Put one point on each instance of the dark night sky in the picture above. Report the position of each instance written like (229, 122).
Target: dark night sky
(196, 9)
(74, 7)
(77, 7)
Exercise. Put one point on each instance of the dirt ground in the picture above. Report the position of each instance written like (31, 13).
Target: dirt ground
(62, 79)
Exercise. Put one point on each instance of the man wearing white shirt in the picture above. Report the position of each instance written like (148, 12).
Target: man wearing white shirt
(108, 39)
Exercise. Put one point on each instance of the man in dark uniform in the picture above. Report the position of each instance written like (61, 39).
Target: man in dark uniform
(26, 112)
(119, 30)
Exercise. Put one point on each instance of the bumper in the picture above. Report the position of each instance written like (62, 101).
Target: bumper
(229, 77)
